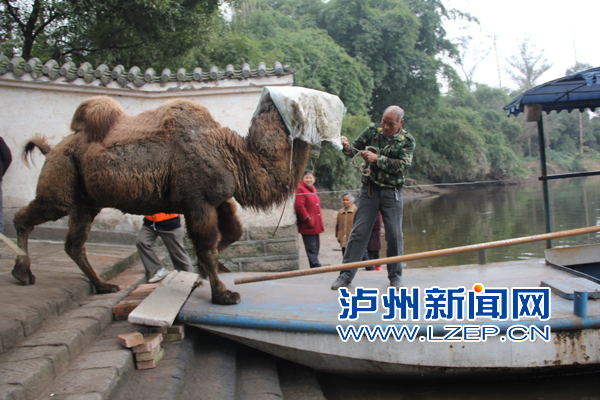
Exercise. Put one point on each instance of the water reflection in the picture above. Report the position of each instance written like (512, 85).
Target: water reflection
(480, 215)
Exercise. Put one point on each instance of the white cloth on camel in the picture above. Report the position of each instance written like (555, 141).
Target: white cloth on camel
(310, 115)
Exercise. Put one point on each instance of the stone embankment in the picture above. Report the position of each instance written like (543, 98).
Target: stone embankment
(58, 340)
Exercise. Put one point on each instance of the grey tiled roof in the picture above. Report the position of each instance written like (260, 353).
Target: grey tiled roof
(52, 70)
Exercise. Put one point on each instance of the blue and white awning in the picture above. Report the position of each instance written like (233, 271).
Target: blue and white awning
(577, 91)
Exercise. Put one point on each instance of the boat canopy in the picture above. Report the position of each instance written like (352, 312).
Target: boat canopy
(579, 91)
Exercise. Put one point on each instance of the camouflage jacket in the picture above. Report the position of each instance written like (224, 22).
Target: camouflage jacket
(395, 155)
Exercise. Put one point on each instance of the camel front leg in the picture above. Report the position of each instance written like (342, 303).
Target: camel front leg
(27, 218)
(80, 223)
(204, 234)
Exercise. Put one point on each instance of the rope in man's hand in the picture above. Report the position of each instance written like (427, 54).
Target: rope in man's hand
(365, 167)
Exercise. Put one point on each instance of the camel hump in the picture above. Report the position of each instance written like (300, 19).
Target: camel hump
(96, 116)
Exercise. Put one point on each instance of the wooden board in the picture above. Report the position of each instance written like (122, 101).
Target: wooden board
(161, 307)
(565, 288)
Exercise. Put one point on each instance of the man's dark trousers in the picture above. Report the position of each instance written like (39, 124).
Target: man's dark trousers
(373, 199)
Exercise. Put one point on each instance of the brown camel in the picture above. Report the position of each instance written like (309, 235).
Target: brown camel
(175, 158)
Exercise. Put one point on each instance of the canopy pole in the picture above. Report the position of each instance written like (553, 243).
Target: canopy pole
(417, 256)
(543, 169)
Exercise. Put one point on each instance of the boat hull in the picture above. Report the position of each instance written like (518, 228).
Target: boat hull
(567, 352)
(297, 319)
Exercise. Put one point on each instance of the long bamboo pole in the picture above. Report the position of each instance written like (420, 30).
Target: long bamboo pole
(418, 256)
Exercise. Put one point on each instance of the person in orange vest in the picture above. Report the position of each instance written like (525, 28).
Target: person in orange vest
(168, 227)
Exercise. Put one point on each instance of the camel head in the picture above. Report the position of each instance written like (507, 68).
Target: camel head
(286, 124)
(309, 115)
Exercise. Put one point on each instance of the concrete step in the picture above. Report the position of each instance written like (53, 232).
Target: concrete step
(205, 366)
(257, 377)
(200, 367)
(298, 382)
(60, 285)
(100, 370)
(54, 337)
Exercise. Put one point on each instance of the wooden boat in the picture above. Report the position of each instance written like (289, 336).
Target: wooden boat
(297, 319)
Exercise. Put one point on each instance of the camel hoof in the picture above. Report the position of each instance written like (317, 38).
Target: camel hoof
(104, 287)
(23, 277)
(226, 298)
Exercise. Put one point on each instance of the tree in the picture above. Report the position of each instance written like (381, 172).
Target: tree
(400, 41)
(579, 66)
(470, 57)
(528, 66)
(129, 32)
(262, 33)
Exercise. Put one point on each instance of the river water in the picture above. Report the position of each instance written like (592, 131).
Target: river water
(493, 213)
(479, 215)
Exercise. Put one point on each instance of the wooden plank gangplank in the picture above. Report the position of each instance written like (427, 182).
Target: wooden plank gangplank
(161, 307)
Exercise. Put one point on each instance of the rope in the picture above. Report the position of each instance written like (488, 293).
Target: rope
(288, 188)
(364, 167)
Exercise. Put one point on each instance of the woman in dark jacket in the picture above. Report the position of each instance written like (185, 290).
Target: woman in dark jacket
(310, 220)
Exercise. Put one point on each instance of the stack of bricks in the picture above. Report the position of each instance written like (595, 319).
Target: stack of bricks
(171, 333)
(146, 348)
(122, 310)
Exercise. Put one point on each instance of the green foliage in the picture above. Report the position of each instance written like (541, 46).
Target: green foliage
(128, 32)
(449, 148)
(399, 41)
(265, 34)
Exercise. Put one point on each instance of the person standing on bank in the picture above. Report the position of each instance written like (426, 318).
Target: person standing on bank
(5, 160)
(310, 221)
(168, 227)
(345, 219)
(388, 151)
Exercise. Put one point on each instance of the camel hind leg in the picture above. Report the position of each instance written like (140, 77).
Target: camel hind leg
(27, 218)
(202, 228)
(80, 224)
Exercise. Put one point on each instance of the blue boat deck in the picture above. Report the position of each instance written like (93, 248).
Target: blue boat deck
(307, 304)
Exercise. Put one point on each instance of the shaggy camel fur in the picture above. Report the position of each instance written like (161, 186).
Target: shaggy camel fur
(176, 159)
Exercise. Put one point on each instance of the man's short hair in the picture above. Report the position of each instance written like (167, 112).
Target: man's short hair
(397, 110)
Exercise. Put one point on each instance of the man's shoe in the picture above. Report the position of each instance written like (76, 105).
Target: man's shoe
(341, 281)
(159, 276)
(397, 283)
